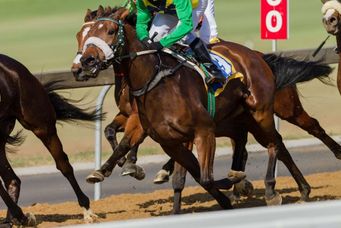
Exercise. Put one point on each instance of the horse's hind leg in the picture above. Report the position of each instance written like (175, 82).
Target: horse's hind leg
(289, 108)
(11, 180)
(267, 136)
(163, 175)
(133, 136)
(14, 209)
(285, 157)
(52, 142)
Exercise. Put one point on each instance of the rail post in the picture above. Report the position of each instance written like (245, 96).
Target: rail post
(98, 138)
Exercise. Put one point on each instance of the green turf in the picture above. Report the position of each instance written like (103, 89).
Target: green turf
(41, 33)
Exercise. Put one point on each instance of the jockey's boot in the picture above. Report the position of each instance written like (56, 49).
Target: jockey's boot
(202, 55)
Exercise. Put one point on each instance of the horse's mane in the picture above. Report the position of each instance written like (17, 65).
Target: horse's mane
(109, 12)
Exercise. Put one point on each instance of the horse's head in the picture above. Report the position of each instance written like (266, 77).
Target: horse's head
(104, 42)
(331, 11)
(89, 20)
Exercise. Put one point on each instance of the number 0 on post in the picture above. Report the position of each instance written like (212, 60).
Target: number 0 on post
(274, 19)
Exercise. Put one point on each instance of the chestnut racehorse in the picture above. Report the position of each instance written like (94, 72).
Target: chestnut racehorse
(37, 108)
(174, 112)
(287, 106)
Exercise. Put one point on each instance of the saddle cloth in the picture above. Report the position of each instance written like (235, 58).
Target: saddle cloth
(228, 70)
(223, 63)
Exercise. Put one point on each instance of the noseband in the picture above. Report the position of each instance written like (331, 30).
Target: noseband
(110, 51)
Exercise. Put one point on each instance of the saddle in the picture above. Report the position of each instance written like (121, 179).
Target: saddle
(185, 57)
(223, 63)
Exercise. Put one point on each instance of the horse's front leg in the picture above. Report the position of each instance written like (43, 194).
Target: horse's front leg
(133, 136)
(178, 184)
(111, 130)
(187, 160)
(205, 143)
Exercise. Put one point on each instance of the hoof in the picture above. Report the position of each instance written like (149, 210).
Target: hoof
(233, 198)
(338, 155)
(243, 188)
(236, 176)
(139, 174)
(305, 195)
(107, 173)
(128, 169)
(161, 177)
(276, 200)
(89, 216)
(95, 177)
(133, 170)
(31, 220)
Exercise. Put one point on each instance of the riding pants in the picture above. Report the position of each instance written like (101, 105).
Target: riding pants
(163, 24)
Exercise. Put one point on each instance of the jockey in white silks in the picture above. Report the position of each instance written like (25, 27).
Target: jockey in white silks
(174, 21)
(209, 31)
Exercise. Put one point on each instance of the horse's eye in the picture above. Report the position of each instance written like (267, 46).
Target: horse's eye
(111, 32)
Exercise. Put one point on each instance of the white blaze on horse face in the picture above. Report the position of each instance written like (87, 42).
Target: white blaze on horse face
(328, 14)
(85, 32)
(333, 4)
(100, 26)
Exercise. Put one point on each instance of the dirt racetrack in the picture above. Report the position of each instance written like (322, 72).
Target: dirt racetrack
(325, 186)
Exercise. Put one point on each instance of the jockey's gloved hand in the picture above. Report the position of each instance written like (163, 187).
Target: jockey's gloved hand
(150, 45)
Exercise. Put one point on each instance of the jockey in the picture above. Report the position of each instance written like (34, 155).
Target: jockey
(131, 5)
(175, 20)
(208, 31)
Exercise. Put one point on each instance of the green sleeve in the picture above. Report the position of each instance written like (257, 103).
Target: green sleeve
(143, 18)
(184, 13)
(130, 5)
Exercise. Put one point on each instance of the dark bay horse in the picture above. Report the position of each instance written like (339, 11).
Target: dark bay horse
(331, 11)
(175, 120)
(37, 108)
(287, 106)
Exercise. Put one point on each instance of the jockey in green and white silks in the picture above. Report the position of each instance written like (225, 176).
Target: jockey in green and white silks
(209, 31)
(173, 21)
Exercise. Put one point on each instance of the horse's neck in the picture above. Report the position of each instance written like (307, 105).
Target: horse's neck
(142, 68)
(338, 42)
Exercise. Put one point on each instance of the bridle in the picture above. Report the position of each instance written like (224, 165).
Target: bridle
(110, 51)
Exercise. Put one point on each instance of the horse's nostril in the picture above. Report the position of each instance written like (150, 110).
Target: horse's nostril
(88, 61)
(332, 20)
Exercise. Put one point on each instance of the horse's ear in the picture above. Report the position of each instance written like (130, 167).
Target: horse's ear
(124, 14)
(100, 11)
(88, 16)
(108, 10)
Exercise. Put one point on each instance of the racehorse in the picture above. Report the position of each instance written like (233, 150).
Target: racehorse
(331, 11)
(287, 106)
(36, 107)
(175, 120)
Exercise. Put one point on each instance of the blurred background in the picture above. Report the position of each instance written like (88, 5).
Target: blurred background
(41, 35)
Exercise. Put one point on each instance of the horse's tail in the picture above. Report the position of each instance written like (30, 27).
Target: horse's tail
(66, 111)
(289, 71)
(17, 139)
(14, 140)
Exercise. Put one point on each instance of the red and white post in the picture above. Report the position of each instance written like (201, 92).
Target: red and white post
(275, 26)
